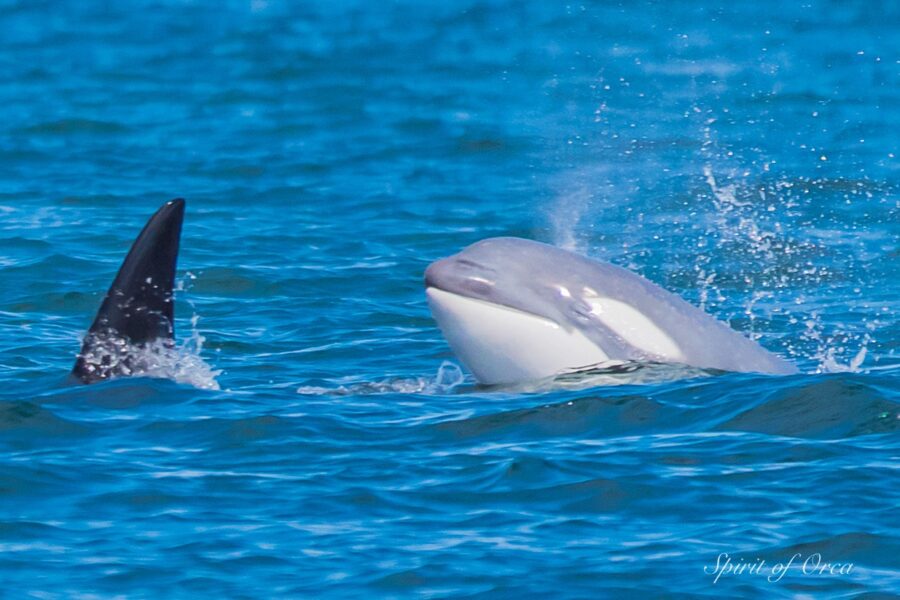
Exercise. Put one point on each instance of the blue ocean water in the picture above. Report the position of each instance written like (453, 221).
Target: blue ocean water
(316, 437)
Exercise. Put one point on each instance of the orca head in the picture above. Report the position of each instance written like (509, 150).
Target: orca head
(138, 309)
(510, 310)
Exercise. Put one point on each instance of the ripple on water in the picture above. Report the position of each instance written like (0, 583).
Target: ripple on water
(834, 407)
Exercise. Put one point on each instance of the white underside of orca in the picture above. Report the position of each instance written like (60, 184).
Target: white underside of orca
(504, 345)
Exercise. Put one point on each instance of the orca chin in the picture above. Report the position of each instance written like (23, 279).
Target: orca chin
(515, 310)
(137, 313)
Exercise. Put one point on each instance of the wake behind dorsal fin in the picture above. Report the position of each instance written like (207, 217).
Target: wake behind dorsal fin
(138, 308)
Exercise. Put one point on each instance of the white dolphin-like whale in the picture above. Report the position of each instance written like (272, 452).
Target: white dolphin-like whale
(515, 310)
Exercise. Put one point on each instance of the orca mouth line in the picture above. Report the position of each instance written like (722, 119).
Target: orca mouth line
(500, 305)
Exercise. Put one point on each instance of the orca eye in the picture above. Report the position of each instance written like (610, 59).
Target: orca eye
(469, 266)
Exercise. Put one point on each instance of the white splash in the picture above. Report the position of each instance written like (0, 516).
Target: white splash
(830, 364)
(448, 377)
(112, 357)
(181, 364)
(830, 348)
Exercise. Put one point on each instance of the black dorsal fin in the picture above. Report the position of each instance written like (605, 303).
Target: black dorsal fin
(138, 308)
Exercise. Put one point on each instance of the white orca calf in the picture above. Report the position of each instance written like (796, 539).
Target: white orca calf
(515, 310)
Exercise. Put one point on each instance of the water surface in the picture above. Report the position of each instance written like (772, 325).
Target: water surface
(316, 438)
